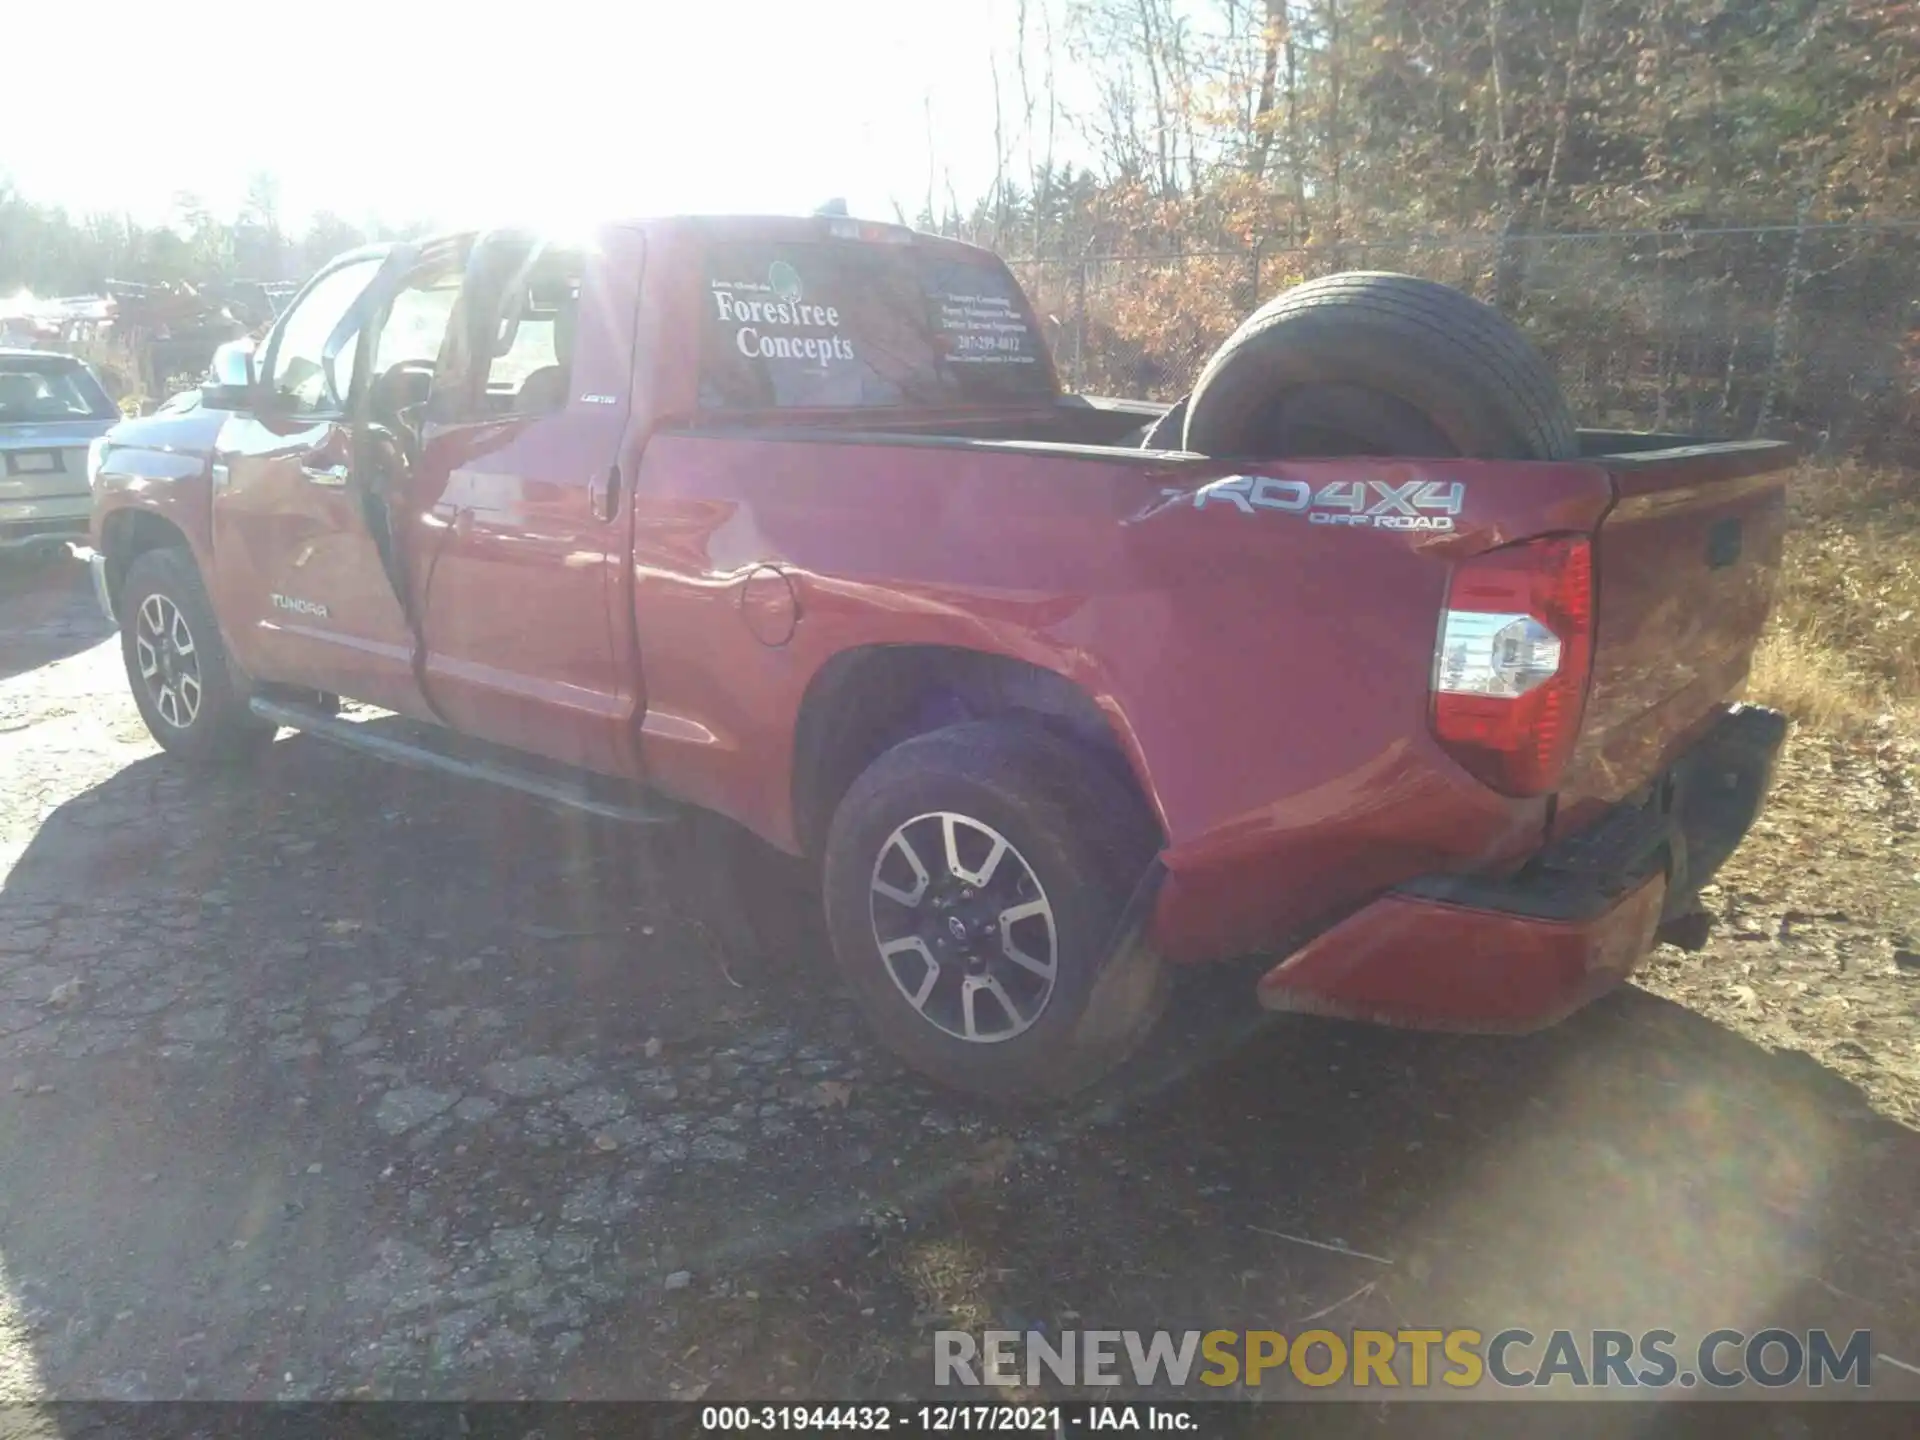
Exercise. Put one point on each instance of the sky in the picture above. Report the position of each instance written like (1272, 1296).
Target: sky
(553, 113)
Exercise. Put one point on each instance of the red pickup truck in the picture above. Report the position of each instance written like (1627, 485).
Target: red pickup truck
(790, 520)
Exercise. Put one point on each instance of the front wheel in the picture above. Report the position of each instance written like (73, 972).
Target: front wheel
(177, 665)
(975, 881)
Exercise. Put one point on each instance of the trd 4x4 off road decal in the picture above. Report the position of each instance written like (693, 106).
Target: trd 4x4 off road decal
(1369, 504)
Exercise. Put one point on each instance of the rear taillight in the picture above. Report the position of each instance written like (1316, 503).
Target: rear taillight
(1510, 673)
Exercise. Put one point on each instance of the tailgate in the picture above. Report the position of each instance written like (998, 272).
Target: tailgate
(1684, 568)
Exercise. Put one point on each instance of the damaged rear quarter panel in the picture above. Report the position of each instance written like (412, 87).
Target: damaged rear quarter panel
(1266, 676)
(1282, 696)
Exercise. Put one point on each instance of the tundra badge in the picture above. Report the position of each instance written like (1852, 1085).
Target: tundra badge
(299, 606)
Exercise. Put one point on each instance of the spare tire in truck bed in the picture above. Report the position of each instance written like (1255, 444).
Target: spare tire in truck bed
(1368, 363)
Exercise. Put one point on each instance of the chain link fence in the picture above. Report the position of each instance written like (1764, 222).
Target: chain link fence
(1811, 331)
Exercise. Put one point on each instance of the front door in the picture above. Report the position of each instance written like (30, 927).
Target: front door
(298, 571)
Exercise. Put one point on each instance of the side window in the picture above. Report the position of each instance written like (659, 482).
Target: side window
(298, 378)
(407, 354)
(531, 370)
(416, 324)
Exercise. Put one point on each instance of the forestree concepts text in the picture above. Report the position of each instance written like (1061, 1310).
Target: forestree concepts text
(751, 315)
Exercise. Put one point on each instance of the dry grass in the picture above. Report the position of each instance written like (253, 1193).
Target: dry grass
(948, 1280)
(1843, 654)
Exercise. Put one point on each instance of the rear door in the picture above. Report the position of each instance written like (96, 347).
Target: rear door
(520, 526)
(302, 591)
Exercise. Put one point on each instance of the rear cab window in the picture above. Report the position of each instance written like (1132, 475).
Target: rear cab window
(865, 325)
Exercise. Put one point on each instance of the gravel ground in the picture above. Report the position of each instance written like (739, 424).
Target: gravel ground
(336, 1080)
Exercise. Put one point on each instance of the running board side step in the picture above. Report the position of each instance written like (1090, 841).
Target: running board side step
(433, 747)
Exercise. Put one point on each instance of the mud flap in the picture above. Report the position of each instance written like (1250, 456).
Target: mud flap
(757, 903)
(1132, 987)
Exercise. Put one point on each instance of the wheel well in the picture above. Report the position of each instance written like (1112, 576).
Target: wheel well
(864, 702)
(129, 534)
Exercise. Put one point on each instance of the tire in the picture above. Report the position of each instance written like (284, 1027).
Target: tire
(1077, 842)
(162, 596)
(1168, 432)
(1370, 363)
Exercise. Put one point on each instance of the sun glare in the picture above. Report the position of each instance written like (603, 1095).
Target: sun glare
(596, 112)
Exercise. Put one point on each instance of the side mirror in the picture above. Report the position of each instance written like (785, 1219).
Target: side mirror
(230, 378)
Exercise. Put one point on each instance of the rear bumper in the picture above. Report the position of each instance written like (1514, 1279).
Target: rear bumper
(1463, 953)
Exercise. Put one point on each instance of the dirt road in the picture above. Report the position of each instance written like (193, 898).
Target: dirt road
(338, 1080)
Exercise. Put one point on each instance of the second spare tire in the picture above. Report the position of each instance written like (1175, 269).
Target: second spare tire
(1370, 363)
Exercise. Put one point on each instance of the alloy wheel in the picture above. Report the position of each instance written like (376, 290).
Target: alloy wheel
(169, 664)
(964, 927)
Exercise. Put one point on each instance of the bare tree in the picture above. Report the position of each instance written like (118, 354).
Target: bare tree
(1273, 36)
(926, 106)
(1026, 116)
(1181, 70)
(1501, 153)
(1296, 149)
(1043, 202)
(999, 156)
(1150, 52)
(1336, 74)
(1563, 121)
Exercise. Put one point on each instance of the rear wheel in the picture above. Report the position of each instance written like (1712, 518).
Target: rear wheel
(975, 880)
(178, 667)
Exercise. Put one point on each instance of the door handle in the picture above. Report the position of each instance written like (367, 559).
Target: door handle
(334, 476)
(603, 493)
